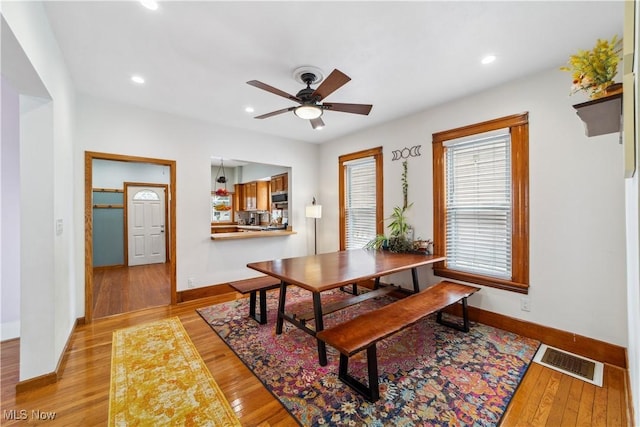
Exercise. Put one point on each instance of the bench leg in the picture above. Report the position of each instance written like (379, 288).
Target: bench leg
(252, 305)
(465, 319)
(414, 280)
(262, 318)
(354, 289)
(372, 392)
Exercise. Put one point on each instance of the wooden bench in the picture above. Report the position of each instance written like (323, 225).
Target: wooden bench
(252, 287)
(363, 332)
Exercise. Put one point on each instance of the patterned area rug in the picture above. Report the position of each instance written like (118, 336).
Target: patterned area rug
(158, 378)
(429, 374)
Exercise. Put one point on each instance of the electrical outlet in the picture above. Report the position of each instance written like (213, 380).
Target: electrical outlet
(190, 281)
(525, 304)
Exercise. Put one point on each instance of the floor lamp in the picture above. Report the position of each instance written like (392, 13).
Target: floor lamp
(314, 211)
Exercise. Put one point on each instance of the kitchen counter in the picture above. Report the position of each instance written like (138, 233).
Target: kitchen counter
(237, 231)
(251, 233)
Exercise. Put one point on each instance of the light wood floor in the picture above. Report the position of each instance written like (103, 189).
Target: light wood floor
(118, 290)
(81, 395)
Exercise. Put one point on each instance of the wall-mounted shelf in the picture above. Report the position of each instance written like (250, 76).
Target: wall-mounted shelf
(602, 115)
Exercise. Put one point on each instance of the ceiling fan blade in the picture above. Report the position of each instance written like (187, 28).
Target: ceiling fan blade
(273, 90)
(317, 123)
(348, 108)
(274, 113)
(333, 82)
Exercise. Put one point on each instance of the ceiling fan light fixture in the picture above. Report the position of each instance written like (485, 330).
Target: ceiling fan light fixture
(308, 112)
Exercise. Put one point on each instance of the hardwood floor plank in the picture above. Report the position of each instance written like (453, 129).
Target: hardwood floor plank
(585, 409)
(616, 415)
(81, 395)
(599, 415)
(519, 401)
(570, 414)
(559, 402)
(123, 289)
(546, 400)
(534, 398)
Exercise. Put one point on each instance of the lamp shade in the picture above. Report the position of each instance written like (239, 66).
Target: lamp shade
(308, 112)
(313, 211)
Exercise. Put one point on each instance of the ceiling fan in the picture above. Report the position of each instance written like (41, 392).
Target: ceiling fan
(311, 106)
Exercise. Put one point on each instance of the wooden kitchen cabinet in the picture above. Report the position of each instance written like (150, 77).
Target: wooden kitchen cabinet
(250, 196)
(239, 201)
(256, 196)
(262, 196)
(279, 183)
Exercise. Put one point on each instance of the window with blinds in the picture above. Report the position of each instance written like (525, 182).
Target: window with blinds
(478, 204)
(360, 201)
(481, 202)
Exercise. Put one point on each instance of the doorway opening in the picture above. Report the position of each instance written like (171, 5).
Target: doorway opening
(136, 283)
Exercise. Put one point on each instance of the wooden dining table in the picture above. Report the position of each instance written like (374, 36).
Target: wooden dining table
(323, 272)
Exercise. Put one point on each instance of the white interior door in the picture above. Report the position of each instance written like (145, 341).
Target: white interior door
(146, 225)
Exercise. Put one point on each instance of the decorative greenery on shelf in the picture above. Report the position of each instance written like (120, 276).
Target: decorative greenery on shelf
(400, 238)
(593, 70)
(405, 185)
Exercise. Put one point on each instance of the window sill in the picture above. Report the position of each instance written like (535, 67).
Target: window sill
(492, 282)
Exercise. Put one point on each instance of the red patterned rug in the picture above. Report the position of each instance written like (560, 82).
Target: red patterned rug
(430, 375)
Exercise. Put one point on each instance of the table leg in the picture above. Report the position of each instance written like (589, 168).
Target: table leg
(414, 276)
(317, 310)
(281, 300)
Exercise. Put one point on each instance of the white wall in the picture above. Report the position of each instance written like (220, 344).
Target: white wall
(109, 127)
(10, 208)
(46, 169)
(37, 270)
(577, 234)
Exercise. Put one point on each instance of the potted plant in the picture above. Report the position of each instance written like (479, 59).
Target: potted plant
(593, 70)
(400, 238)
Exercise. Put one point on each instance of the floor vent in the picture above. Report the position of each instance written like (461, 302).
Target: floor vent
(568, 363)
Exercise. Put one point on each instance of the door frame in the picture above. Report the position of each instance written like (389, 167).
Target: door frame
(167, 235)
(89, 156)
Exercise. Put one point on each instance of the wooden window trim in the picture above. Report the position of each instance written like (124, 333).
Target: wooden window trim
(519, 127)
(377, 154)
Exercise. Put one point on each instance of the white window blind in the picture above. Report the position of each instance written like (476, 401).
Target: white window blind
(360, 202)
(478, 204)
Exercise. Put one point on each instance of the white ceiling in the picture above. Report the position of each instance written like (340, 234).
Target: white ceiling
(403, 57)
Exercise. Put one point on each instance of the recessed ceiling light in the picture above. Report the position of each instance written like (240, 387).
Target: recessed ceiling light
(249, 109)
(137, 79)
(488, 59)
(149, 4)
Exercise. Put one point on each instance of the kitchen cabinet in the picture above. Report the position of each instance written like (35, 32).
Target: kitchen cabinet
(250, 191)
(256, 196)
(280, 183)
(238, 198)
